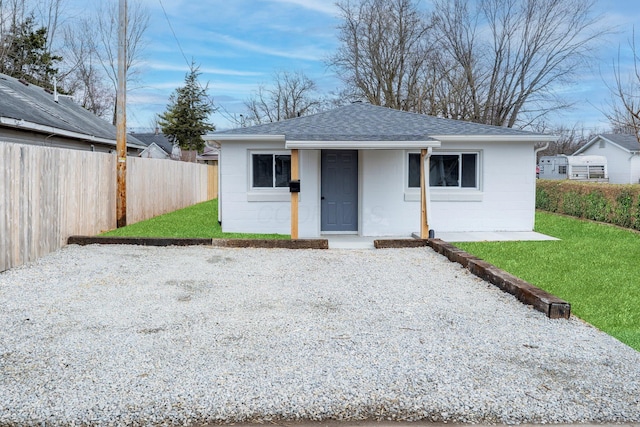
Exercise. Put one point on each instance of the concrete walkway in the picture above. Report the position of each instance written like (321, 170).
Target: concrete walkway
(492, 236)
(353, 241)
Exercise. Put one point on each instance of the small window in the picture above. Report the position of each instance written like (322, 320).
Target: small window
(271, 170)
(562, 170)
(446, 170)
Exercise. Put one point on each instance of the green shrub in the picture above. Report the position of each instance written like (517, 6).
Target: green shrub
(622, 214)
(636, 215)
(547, 196)
(596, 206)
(542, 199)
(573, 204)
(612, 203)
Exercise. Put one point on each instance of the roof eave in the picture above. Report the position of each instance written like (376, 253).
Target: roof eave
(362, 145)
(23, 124)
(497, 138)
(433, 141)
(242, 137)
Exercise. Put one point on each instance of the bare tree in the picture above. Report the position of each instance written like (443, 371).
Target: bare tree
(533, 46)
(12, 14)
(570, 139)
(290, 95)
(384, 46)
(85, 76)
(624, 111)
(50, 14)
(497, 62)
(105, 45)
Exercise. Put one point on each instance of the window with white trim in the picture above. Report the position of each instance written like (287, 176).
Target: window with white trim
(269, 170)
(451, 170)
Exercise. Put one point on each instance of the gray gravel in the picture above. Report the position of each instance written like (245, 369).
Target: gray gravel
(130, 335)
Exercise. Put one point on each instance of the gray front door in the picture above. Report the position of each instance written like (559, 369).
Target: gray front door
(339, 190)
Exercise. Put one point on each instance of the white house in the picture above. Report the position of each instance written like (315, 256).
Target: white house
(622, 153)
(154, 151)
(360, 172)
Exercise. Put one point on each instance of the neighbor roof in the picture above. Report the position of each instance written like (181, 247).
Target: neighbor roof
(625, 141)
(158, 138)
(366, 122)
(28, 106)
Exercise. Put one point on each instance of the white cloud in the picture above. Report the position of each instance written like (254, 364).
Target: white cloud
(306, 53)
(164, 66)
(323, 6)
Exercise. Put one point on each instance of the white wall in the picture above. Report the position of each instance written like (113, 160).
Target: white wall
(618, 164)
(384, 212)
(504, 202)
(246, 211)
(635, 169)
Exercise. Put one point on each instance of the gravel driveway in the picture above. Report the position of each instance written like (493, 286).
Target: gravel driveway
(140, 335)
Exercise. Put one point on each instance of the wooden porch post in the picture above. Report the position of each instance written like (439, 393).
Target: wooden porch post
(424, 221)
(295, 174)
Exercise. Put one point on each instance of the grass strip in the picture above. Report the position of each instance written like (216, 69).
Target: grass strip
(197, 221)
(594, 266)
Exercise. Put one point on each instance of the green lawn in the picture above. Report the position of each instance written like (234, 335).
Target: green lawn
(595, 267)
(197, 221)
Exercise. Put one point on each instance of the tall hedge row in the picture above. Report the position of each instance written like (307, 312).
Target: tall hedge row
(612, 203)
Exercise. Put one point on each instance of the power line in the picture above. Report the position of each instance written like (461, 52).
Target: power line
(220, 109)
(174, 34)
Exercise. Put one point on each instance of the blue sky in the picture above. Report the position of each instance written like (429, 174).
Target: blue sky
(239, 44)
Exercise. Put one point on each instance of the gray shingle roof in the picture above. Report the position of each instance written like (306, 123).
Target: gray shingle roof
(628, 142)
(366, 122)
(33, 104)
(160, 140)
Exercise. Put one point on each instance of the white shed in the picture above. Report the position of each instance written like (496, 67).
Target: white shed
(579, 168)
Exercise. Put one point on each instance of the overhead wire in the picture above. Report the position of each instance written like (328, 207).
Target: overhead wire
(220, 109)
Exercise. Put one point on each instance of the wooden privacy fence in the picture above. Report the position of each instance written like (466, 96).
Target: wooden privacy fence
(48, 194)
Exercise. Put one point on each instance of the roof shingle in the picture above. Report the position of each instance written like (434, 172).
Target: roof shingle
(33, 104)
(366, 122)
(628, 142)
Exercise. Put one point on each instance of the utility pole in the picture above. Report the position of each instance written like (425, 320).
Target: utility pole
(121, 118)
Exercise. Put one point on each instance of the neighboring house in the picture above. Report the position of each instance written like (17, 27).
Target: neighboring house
(31, 115)
(622, 153)
(154, 151)
(209, 155)
(360, 173)
(158, 146)
(169, 150)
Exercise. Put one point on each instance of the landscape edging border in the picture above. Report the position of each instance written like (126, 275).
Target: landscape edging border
(549, 304)
(225, 243)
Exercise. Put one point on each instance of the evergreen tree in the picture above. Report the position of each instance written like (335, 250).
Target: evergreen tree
(27, 56)
(186, 118)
